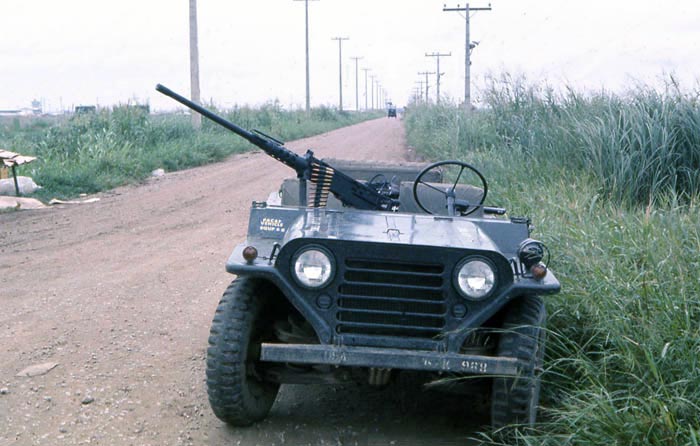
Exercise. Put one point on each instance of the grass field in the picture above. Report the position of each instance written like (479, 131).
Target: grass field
(91, 152)
(611, 183)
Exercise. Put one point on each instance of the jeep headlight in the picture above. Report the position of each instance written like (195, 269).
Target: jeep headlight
(476, 278)
(313, 267)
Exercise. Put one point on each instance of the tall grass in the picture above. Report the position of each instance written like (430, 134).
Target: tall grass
(622, 361)
(641, 146)
(91, 152)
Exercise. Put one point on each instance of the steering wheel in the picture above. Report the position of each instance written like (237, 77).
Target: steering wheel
(452, 173)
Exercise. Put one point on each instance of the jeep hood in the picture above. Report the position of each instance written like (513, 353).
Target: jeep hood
(380, 227)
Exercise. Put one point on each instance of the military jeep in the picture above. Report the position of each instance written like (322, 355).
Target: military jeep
(366, 271)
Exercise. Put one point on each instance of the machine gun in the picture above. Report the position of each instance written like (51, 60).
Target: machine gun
(326, 179)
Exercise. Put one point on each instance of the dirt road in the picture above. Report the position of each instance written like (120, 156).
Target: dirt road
(120, 294)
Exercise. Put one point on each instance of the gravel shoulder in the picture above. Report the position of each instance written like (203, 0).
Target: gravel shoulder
(120, 294)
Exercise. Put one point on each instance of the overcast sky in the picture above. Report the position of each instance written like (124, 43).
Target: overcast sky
(73, 52)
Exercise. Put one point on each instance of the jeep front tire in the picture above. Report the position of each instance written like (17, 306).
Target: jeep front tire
(238, 392)
(514, 399)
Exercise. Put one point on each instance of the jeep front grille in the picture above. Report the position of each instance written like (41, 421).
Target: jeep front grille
(391, 299)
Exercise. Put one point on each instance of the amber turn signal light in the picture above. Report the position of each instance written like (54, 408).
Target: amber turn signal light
(250, 254)
(538, 271)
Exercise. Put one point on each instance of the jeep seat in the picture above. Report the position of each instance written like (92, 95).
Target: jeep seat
(404, 173)
(431, 199)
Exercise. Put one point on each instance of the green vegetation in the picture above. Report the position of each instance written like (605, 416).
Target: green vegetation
(640, 147)
(91, 152)
(611, 183)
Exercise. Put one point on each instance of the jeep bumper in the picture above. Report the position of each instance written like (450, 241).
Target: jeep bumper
(388, 358)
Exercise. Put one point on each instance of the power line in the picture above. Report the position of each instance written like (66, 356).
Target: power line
(468, 47)
(438, 73)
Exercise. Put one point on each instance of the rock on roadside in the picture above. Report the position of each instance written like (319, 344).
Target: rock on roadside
(19, 203)
(38, 369)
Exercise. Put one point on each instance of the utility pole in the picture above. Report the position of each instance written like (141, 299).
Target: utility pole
(427, 85)
(468, 47)
(194, 64)
(372, 77)
(340, 66)
(416, 94)
(366, 70)
(357, 96)
(438, 73)
(306, 19)
(420, 84)
(376, 88)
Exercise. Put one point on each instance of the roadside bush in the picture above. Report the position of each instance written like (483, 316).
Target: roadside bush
(91, 152)
(624, 335)
(641, 146)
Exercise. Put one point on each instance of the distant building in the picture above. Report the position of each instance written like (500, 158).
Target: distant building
(146, 108)
(17, 112)
(84, 109)
(35, 109)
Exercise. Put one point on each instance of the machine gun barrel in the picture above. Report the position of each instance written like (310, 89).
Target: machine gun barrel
(348, 190)
(277, 151)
